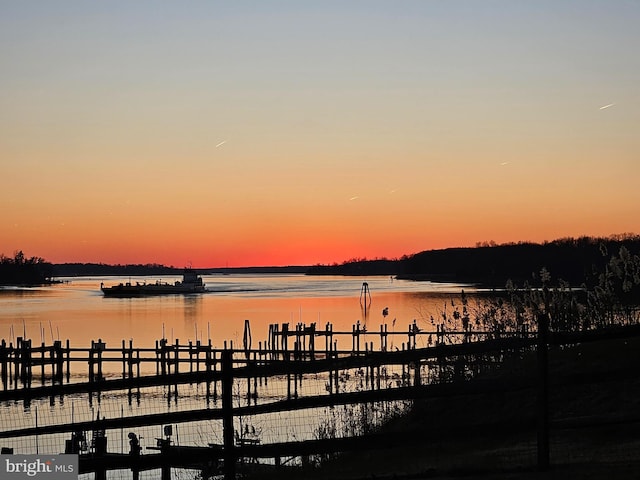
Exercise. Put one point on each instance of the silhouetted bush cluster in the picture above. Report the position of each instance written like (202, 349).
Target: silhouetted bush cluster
(20, 270)
(608, 296)
(86, 269)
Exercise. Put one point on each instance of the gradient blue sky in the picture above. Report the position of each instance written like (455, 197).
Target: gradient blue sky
(253, 133)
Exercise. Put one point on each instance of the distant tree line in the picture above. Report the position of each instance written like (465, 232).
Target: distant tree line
(571, 259)
(360, 267)
(101, 269)
(574, 260)
(20, 270)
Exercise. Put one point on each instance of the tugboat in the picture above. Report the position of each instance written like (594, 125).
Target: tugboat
(191, 283)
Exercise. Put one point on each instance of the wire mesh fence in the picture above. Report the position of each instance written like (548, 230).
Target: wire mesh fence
(304, 404)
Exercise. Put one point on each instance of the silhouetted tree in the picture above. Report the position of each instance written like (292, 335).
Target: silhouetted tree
(21, 270)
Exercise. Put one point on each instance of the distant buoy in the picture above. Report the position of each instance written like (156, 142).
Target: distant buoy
(365, 301)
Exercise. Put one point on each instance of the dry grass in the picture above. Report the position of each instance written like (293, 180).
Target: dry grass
(595, 432)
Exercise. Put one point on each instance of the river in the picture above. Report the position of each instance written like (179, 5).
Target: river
(75, 310)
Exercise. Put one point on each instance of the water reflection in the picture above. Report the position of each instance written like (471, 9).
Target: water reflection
(78, 311)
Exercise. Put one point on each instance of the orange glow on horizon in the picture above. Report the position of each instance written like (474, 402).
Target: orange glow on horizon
(207, 136)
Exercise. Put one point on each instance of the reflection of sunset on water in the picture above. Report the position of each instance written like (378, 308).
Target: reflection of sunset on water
(79, 312)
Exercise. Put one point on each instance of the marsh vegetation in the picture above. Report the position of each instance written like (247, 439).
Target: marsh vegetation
(593, 397)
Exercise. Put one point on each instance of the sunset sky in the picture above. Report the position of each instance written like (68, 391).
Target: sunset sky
(294, 133)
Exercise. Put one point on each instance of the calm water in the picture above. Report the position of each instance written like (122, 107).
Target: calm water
(77, 310)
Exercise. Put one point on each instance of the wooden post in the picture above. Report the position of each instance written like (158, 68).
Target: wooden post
(91, 379)
(285, 340)
(207, 367)
(19, 359)
(255, 378)
(68, 361)
(100, 347)
(4, 357)
(296, 353)
(337, 373)
(357, 337)
(176, 369)
(371, 367)
(57, 347)
(131, 359)
(163, 365)
(165, 472)
(262, 355)
(101, 473)
(272, 342)
(9, 366)
(42, 354)
(301, 340)
(124, 360)
(296, 342)
(227, 415)
(26, 363)
(327, 339)
(329, 356)
(246, 338)
(543, 392)
(312, 341)
(248, 384)
(100, 361)
(16, 364)
(403, 365)
(137, 361)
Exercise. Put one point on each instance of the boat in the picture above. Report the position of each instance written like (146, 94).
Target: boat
(191, 283)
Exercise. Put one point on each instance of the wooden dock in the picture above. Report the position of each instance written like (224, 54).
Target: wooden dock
(26, 365)
(288, 355)
(233, 364)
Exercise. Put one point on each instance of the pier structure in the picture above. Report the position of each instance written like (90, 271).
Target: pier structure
(445, 368)
(26, 366)
(381, 365)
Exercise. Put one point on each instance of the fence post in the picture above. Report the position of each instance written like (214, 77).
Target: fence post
(57, 346)
(68, 350)
(4, 360)
(227, 415)
(130, 366)
(42, 353)
(543, 391)
(91, 375)
(312, 341)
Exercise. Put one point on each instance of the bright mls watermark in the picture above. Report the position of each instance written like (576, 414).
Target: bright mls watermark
(52, 467)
